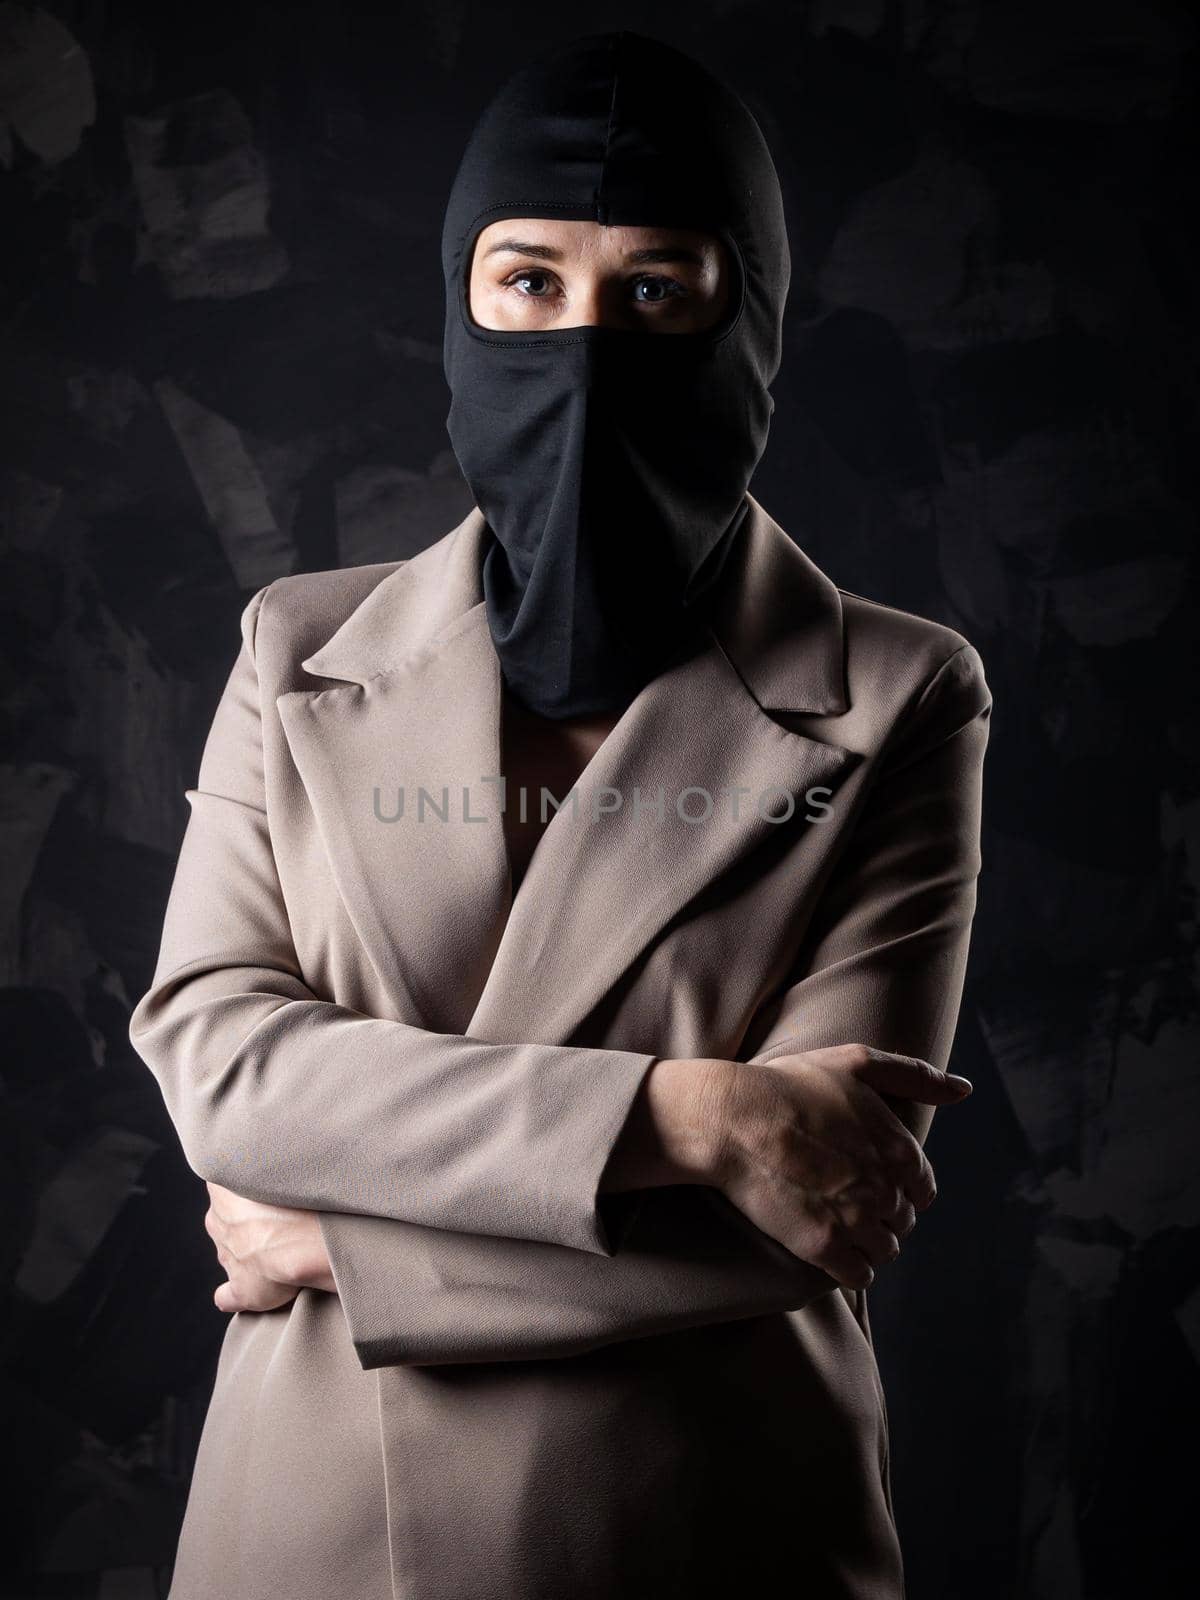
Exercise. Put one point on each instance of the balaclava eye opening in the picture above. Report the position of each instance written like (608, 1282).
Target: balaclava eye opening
(612, 464)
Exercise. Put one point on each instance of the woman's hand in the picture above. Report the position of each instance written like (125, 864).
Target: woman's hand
(805, 1145)
(269, 1252)
(815, 1157)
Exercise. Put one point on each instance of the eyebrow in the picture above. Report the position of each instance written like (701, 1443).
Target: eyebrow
(546, 252)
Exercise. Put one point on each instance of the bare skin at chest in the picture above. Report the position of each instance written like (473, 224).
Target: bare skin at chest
(538, 753)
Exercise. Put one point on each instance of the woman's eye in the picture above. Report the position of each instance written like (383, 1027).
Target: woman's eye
(664, 289)
(530, 277)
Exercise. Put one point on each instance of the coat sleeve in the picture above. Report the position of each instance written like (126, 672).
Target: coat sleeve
(288, 1099)
(882, 963)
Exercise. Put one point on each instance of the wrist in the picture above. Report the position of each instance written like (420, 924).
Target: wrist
(676, 1130)
(317, 1276)
(691, 1098)
(309, 1266)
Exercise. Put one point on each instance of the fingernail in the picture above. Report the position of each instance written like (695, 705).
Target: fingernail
(960, 1082)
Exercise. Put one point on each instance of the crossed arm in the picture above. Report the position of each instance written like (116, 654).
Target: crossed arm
(456, 1183)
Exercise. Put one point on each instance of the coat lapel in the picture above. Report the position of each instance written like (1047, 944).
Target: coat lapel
(419, 707)
(427, 892)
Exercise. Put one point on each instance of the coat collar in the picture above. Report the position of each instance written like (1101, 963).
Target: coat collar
(779, 619)
(416, 703)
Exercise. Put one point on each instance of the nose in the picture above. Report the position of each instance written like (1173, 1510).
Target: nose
(594, 306)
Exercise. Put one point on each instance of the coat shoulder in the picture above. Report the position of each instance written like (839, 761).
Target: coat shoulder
(897, 660)
(300, 612)
(873, 625)
(333, 592)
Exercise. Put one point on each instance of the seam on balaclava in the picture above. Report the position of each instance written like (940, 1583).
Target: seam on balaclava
(601, 204)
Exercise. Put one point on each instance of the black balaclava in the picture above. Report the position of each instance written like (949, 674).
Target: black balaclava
(612, 464)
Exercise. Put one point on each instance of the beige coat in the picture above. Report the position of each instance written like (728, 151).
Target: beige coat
(524, 1391)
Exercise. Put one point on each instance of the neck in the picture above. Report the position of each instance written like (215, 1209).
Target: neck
(594, 722)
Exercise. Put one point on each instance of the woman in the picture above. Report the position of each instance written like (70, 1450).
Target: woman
(552, 1150)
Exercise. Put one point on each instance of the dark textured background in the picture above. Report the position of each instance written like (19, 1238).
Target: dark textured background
(219, 363)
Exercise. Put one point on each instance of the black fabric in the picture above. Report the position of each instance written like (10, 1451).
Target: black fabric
(612, 464)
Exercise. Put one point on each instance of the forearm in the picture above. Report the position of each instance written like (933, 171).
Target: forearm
(294, 1101)
(417, 1296)
(683, 1257)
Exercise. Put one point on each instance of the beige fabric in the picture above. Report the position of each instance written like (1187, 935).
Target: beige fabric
(524, 1391)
